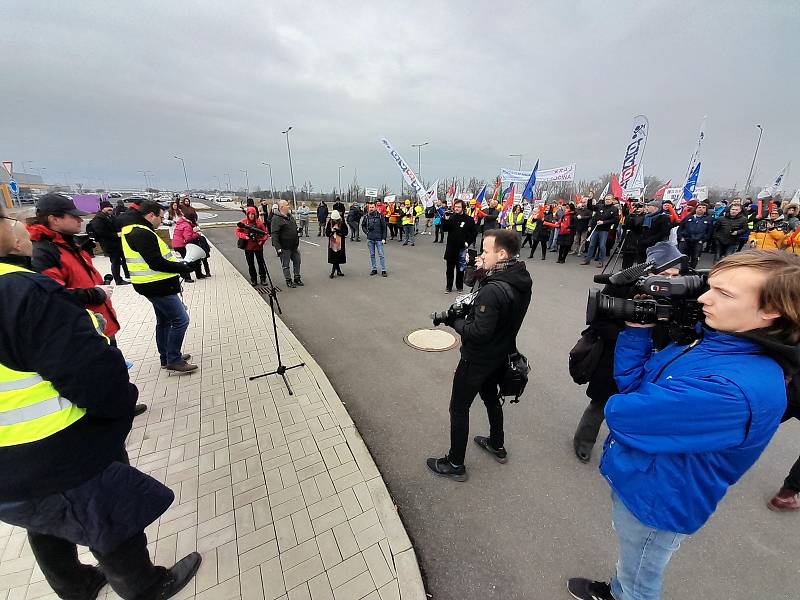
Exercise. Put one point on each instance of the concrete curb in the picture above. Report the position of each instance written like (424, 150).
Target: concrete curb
(409, 577)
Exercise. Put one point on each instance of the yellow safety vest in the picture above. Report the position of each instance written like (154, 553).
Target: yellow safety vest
(519, 220)
(137, 266)
(408, 216)
(30, 407)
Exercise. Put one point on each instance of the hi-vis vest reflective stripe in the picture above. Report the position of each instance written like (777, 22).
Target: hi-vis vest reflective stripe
(139, 269)
(519, 221)
(30, 407)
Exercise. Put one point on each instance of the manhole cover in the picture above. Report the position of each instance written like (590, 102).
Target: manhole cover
(431, 340)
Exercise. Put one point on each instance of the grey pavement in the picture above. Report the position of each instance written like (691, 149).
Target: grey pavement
(519, 530)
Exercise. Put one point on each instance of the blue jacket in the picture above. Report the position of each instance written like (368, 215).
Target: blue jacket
(374, 225)
(688, 422)
(696, 229)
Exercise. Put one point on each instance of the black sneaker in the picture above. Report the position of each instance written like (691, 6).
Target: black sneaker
(299, 282)
(384, 274)
(373, 272)
(253, 282)
(139, 409)
(263, 281)
(290, 284)
(583, 451)
(500, 455)
(586, 589)
(443, 467)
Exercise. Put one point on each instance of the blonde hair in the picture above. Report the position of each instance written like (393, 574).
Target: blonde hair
(781, 291)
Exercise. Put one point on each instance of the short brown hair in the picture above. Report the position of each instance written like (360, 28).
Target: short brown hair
(505, 239)
(781, 292)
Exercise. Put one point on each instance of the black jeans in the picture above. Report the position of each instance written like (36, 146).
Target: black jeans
(438, 234)
(469, 380)
(253, 256)
(128, 567)
(562, 252)
(536, 242)
(452, 267)
(792, 481)
(117, 262)
(198, 264)
(692, 249)
(527, 238)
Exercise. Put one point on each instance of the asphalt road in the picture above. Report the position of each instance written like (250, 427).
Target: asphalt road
(519, 530)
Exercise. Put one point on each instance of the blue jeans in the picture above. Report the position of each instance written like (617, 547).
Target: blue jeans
(374, 245)
(409, 232)
(599, 238)
(644, 553)
(172, 321)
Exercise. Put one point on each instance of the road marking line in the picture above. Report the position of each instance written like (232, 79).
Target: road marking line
(312, 243)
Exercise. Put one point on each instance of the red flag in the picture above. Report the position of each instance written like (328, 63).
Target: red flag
(616, 188)
(452, 191)
(662, 189)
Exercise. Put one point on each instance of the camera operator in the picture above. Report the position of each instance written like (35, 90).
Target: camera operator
(253, 244)
(488, 336)
(689, 421)
(601, 383)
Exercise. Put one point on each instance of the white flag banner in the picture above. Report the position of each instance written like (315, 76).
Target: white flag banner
(408, 173)
(565, 173)
(674, 194)
(796, 197)
(431, 195)
(634, 153)
(777, 186)
(696, 154)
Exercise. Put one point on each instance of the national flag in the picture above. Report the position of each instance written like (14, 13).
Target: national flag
(688, 189)
(451, 193)
(527, 193)
(778, 184)
(481, 196)
(660, 193)
(509, 201)
(616, 188)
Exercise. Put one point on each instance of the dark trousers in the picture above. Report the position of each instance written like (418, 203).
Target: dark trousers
(589, 425)
(294, 257)
(628, 259)
(128, 567)
(469, 380)
(562, 252)
(723, 250)
(537, 242)
(253, 256)
(792, 481)
(527, 238)
(393, 230)
(452, 267)
(117, 262)
(692, 249)
(438, 234)
(198, 264)
(321, 228)
(355, 231)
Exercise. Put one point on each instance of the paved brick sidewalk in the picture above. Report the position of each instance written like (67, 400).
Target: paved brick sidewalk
(277, 492)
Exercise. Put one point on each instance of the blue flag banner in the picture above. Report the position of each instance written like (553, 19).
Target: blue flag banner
(688, 189)
(527, 193)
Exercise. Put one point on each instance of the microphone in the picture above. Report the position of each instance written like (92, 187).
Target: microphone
(108, 279)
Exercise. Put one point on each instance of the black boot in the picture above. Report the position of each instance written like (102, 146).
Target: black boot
(298, 282)
(290, 283)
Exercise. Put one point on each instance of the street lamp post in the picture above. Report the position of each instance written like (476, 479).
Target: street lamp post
(246, 183)
(291, 171)
(339, 189)
(419, 157)
(185, 178)
(271, 185)
(218, 184)
(228, 175)
(753, 164)
(519, 156)
(146, 183)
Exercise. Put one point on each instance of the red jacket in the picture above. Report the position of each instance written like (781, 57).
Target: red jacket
(62, 261)
(259, 241)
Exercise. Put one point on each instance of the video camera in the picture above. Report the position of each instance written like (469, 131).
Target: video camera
(669, 299)
(457, 309)
(252, 232)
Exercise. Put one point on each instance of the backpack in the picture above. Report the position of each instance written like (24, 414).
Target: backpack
(585, 355)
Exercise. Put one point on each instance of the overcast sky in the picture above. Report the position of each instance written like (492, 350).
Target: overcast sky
(103, 90)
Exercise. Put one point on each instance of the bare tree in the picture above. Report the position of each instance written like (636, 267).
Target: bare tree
(475, 186)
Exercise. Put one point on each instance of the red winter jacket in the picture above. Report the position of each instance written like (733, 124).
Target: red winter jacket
(243, 234)
(184, 233)
(62, 261)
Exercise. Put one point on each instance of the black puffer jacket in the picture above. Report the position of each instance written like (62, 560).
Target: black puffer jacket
(657, 231)
(105, 232)
(461, 233)
(489, 331)
(728, 229)
(609, 215)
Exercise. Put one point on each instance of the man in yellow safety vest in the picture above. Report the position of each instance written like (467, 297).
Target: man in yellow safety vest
(155, 274)
(66, 407)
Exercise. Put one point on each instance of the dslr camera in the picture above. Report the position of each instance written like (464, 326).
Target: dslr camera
(672, 300)
(457, 309)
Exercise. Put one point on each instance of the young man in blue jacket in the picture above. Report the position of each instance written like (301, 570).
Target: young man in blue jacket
(689, 421)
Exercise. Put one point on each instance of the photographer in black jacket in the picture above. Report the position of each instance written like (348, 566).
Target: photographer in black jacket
(601, 384)
(488, 336)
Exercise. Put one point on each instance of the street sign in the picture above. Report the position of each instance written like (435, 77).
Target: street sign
(12, 185)
(371, 192)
